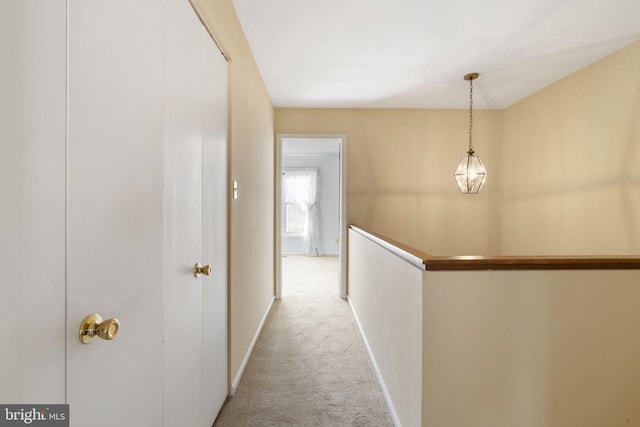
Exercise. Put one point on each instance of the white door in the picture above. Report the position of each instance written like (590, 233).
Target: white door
(32, 201)
(115, 224)
(183, 209)
(195, 367)
(214, 291)
(85, 135)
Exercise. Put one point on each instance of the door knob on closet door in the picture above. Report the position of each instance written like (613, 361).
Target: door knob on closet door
(200, 269)
(93, 326)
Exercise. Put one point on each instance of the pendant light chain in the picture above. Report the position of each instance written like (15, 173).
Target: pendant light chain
(470, 116)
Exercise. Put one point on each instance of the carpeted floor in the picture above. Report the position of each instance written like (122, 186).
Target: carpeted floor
(309, 366)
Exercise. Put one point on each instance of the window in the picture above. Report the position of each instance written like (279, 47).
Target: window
(301, 191)
(295, 218)
(295, 208)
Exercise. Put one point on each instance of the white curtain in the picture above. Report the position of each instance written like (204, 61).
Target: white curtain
(302, 185)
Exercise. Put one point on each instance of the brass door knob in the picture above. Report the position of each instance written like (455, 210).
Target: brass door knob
(93, 326)
(199, 269)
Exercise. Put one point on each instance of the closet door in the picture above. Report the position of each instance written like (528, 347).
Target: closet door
(115, 222)
(214, 291)
(196, 227)
(32, 206)
(183, 360)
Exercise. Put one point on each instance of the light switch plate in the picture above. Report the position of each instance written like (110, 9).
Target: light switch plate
(235, 189)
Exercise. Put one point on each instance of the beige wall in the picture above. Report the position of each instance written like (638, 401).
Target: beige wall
(530, 348)
(400, 167)
(571, 170)
(251, 164)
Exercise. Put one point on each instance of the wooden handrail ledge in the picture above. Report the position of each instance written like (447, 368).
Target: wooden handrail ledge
(465, 263)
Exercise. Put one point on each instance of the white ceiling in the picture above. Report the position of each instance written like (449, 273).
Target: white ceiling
(414, 53)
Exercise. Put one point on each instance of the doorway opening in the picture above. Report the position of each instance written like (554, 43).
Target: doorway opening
(310, 205)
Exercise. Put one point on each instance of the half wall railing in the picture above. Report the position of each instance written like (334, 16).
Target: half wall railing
(498, 341)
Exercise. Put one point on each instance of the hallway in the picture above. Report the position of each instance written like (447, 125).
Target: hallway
(310, 366)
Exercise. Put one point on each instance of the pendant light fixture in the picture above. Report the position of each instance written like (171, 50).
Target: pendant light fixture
(470, 173)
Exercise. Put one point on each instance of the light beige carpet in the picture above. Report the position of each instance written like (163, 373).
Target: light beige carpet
(309, 366)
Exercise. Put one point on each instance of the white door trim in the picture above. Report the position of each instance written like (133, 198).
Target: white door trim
(342, 292)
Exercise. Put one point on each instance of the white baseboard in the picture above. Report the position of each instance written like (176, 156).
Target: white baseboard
(238, 377)
(383, 387)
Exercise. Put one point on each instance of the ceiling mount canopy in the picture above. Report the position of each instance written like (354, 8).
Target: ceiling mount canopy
(470, 173)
